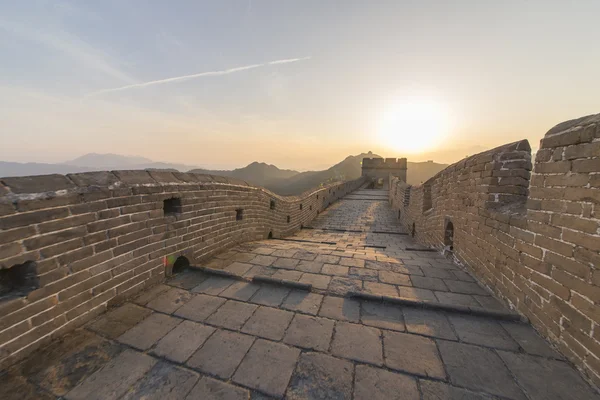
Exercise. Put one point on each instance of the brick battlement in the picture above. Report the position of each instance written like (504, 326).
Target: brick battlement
(384, 163)
(71, 245)
(531, 233)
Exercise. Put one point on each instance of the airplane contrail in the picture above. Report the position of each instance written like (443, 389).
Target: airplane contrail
(198, 75)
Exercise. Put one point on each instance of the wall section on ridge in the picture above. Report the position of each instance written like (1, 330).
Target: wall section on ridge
(532, 235)
(95, 239)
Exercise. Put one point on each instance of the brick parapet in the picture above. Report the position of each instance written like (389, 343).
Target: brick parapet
(100, 237)
(533, 237)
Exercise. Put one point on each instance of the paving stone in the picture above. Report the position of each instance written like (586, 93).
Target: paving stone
(221, 353)
(382, 289)
(285, 263)
(327, 259)
(338, 270)
(285, 253)
(440, 391)
(303, 301)
(305, 255)
(212, 389)
(188, 279)
(61, 365)
(340, 308)
(264, 250)
(413, 354)
(429, 283)
(118, 321)
(232, 315)
(200, 307)
(437, 273)
(529, 340)
(482, 331)
(462, 276)
(115, 378)
(408, 269)
(384, 316)
(243, 257)
(394, 278)
(238, 268)
(163, 382)
(15, 387)
(416, 294)
(310, 332)
(341, 286)
(287, 275)
(357, 342)
(352, 262)
(544, 379)
(267, 367)
(478, 369)
(456, 299)
(149, 331)
(179, 344)
(263, 260)
(318, 281)
(268, 322)
(242, 291)
(319, 376)
(428, 323)
(269, 295)
(260, 270)
(310, 266)
(151, 294)
(378, 384)
(465, 287)
(363, 274)
(170, 301)
(213, 285)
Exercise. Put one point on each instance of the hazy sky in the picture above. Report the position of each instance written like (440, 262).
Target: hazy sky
(300, 84)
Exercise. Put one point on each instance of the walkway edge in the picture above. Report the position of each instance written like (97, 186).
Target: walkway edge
(282, 282)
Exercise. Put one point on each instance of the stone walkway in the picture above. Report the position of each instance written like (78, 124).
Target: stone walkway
(201, 336)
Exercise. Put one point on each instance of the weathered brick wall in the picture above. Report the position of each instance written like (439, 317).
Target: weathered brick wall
(533, 240)
(98, 238)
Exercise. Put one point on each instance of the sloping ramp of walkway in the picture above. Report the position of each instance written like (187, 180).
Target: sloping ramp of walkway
(356, 310)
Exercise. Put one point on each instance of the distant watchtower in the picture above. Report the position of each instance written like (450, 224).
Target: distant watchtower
(380, 168)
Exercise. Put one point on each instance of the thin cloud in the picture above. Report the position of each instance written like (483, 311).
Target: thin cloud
(194, 76)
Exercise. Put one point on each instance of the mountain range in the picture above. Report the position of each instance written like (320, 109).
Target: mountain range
(280, 181)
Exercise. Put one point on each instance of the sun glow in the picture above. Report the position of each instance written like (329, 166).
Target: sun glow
(413, 125)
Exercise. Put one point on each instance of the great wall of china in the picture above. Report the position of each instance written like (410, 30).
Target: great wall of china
(73, 246)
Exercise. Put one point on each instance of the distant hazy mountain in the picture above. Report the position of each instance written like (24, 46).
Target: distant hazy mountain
(281, 181)
(259, 174)
(107, 161)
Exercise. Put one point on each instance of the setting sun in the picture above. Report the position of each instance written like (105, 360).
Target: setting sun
(413, 125)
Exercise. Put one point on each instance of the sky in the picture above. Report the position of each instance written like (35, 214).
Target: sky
(298, 84)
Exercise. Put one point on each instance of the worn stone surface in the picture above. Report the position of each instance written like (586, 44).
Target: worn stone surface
(413, 354)
(428, 323)
(170, 301)
(303, 301)
(378, 384)
(200, 307)
(343, 309)
(382, 316)
(213, 285)
(119, 320)
(478, 369)
(232, 315)
(357, 342)
(318, 376)
(222, 353)
(163, 382)
(547, 379)
(179, 344)
(145, 334)
(437, 391)
(115, 378)
(483, 332)
(268, 322)
(208, 388)
(267, 367)
(240, 291)
(529, 340)
(269, 295)
(310, 332)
